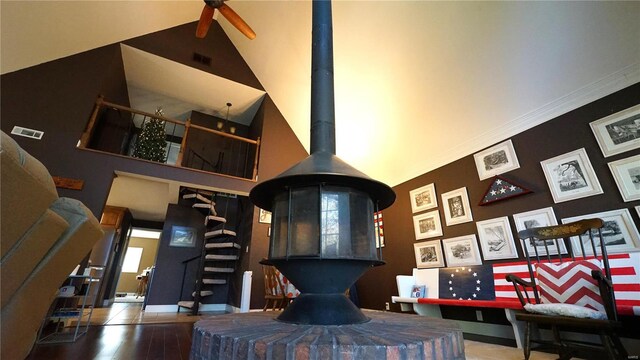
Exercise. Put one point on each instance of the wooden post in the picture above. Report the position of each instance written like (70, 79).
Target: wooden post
(255, 162)
(183, 144)
(88, 132)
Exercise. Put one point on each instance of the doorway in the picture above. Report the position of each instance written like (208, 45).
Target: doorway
(138, 265)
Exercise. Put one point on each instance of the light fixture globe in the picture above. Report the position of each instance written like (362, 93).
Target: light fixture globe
(323, 235)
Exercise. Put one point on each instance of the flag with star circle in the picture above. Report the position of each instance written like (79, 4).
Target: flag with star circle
(467, 283)
(501, 189)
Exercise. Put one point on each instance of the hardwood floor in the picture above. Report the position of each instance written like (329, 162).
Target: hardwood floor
(126, 342)
(124, 331)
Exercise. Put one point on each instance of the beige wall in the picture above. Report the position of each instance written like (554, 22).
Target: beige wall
(127, 282)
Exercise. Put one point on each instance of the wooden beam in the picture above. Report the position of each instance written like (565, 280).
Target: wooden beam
(66, 183)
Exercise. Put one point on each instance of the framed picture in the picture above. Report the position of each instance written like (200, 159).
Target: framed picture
(264, 217)
(495, 160)
(427, 225)
(456, 207)
(462, 251)
(619, 233)
(619, 132)
(182, 236)
(626, 172)
(423, 198)
(570, 176)
(428, 254)
(496, 239)
(537, 218)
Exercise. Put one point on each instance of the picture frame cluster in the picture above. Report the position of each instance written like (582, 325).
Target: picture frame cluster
(569, 176)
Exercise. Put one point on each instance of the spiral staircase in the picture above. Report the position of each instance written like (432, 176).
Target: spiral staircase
(220, 250)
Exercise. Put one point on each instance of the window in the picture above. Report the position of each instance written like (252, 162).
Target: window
(132, 258)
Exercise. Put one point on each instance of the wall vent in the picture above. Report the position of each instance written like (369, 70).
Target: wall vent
(26, 132)
(203, 59)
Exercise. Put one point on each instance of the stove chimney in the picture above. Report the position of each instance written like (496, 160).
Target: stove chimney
(323, 234)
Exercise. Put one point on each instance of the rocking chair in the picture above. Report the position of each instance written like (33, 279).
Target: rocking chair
(570, 290)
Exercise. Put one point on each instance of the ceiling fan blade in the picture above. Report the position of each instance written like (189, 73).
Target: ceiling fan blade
(205, 21)
(236, 21)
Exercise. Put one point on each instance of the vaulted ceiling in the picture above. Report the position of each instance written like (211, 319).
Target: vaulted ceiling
(418, 83)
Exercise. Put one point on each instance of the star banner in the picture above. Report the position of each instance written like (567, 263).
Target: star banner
(501, 189)
(467, 283)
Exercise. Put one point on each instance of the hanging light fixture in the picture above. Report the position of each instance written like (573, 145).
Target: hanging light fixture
(222, 126)
(323, 235)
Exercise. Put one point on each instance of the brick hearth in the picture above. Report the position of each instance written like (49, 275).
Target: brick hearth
(388, 335)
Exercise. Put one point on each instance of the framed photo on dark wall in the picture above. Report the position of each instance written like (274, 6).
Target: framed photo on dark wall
(570, 176)
(427, 225)
(462, 251)
(428, 254)
(496, 160)
(626, 172)
(456, 207)
(183, 236)
(537, 218)
(619, 233)
(496, 239)
(619, 132)
(423, 198)
(264, 217)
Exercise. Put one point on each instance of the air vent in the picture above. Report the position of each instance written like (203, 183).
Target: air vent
(30, 133)
(202, 59)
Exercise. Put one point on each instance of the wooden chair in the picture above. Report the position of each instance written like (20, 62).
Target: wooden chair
(553, 251)
(274, 293)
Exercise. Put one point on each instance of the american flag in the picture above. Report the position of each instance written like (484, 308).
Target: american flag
(379, 229)
(466, 283)
(625, 273)
(501, 189)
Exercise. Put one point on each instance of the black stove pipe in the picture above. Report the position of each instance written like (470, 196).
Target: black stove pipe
(323, 127)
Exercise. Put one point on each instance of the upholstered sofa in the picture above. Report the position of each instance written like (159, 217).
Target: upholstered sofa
(42, 239)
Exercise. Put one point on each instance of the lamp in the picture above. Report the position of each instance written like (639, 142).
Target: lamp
(323, 235)
(221, 126)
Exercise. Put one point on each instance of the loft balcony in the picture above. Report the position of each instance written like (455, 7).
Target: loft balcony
(202, 142)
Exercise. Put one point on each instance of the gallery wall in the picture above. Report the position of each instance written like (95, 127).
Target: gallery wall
(558, 136)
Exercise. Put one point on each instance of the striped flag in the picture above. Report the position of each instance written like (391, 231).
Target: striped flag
(625, 273)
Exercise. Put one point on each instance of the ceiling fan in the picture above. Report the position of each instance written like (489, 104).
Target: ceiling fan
(209, 10)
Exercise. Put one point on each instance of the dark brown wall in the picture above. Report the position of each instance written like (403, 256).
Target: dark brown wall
(179, 44)
(169, 267)
(563, 134)
(58, 97)
(279, 152)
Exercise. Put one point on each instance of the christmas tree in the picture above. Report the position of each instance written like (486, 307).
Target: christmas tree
(151, 143)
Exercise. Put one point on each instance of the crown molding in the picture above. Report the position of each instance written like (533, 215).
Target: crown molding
(605, 86)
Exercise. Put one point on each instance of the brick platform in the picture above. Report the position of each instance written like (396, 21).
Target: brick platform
(388, 335)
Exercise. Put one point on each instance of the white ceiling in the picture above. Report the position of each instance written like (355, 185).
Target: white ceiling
(153, 80)
(418, 84)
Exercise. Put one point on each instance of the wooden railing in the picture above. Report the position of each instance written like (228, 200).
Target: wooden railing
(220, 143)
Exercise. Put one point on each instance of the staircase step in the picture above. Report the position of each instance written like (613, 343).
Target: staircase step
(211, 269)
(219, 233)
(221, 257)
(214, 281)
(203, 293)
(198, 197)
(187, 304)
(222, 245)
(208, 209)
(212, 220)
